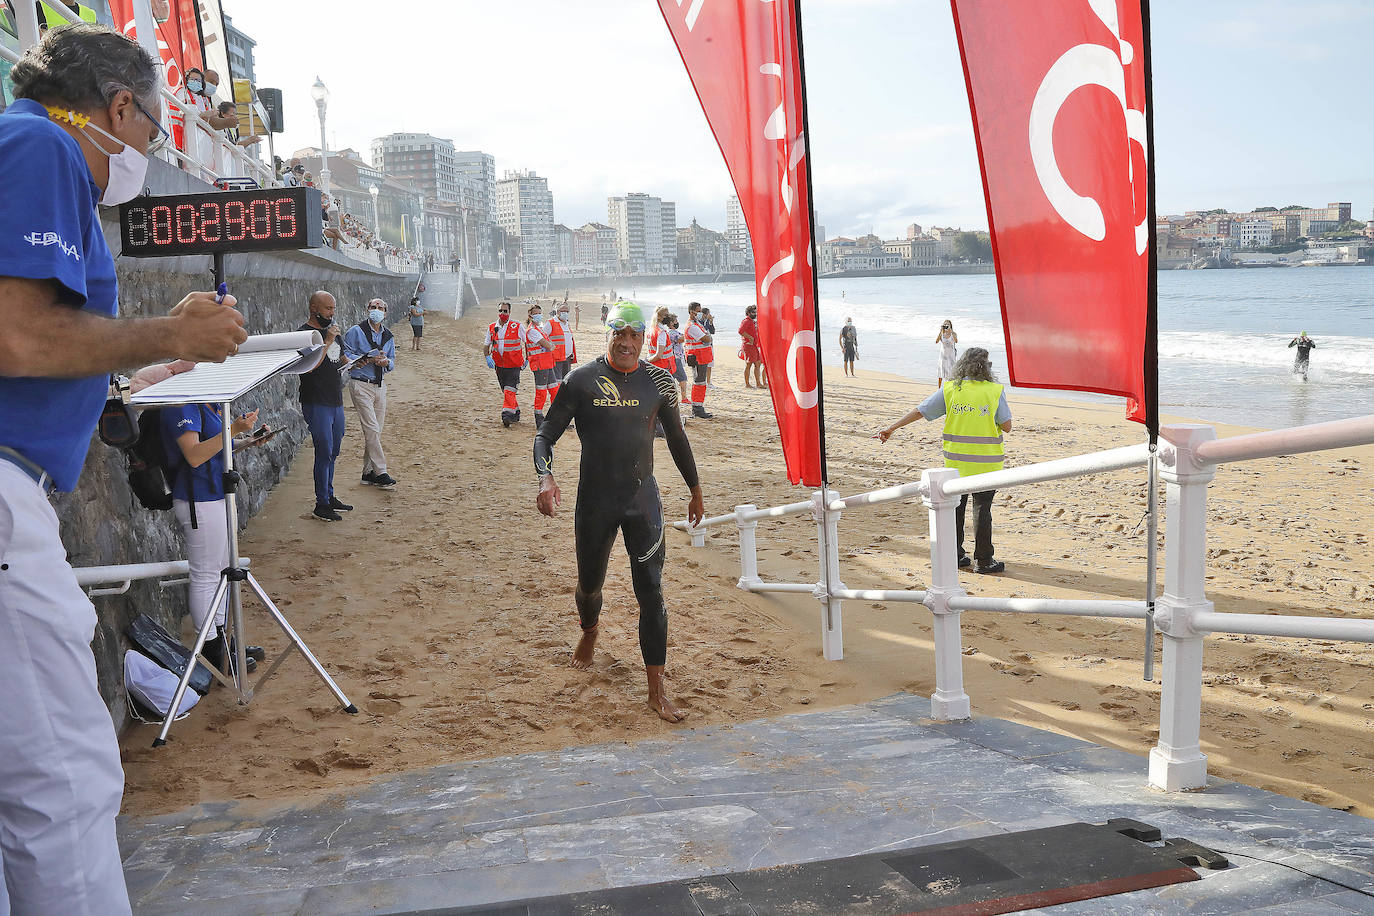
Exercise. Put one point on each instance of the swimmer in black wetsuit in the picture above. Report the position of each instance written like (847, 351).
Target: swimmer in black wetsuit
(616, 402)
(1305, 346)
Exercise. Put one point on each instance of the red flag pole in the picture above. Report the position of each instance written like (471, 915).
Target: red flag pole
(813, 254)
(1151, 360)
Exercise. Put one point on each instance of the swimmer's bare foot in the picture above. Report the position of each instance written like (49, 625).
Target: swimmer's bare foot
(582, 657)
(658, 696)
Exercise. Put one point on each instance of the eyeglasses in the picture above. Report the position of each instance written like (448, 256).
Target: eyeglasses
(159, 140)
(620, 324)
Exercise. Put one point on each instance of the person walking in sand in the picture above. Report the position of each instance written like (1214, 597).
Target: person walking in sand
(849, 345)
(616, 401)
(750, 352)
(976, 414)
(1305, 346)
(505, 352)
(699, 356)
(540, 352)
(416, 314)
(679, 357)
(660, 341)
(949, 350)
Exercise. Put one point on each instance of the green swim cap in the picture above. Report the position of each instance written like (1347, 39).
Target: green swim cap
(628, 312)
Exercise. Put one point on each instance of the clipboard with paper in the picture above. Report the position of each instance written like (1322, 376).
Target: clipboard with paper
(259, 358)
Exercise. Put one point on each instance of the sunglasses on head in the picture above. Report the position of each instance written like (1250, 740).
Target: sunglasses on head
(620, 324)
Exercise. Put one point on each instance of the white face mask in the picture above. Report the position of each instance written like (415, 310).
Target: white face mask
(376, 315)
(128, 168)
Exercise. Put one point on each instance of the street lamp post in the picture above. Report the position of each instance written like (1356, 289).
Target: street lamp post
(320, 93)
(376, 220)
(501, 256)
(464, 248)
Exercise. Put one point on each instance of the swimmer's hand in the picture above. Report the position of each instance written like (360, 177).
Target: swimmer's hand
(550, 497)
(696, 508)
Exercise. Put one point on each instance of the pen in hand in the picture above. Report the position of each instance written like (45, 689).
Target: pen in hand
(220, 293)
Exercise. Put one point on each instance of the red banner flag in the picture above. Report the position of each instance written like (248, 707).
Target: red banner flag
(745, 64)
(1058, 93)
(178, 41)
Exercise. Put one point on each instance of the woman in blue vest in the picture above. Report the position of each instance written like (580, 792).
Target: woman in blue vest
(976, 414)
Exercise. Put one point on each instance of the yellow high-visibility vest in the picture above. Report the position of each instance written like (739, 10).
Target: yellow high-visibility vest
(972, 439)
(52, 18)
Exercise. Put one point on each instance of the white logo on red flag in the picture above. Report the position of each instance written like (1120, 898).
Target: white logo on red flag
(742, 58)
(1057, 90)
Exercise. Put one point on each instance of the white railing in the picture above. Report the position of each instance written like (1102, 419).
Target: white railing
(115, 580)
(1188, 455)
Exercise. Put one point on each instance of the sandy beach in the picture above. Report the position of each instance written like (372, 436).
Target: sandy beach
(444, 608)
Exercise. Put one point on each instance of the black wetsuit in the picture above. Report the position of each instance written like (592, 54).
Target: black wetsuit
(615, 414)
(1304, 345)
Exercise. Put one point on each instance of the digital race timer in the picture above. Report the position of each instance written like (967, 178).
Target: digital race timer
(221, 221)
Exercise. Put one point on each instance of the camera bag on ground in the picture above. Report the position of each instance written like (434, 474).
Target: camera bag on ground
(150, 688)
(161, 647)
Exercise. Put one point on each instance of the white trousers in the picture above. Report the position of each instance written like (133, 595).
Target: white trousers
(60, 775)
(370, 402)
(207, 553)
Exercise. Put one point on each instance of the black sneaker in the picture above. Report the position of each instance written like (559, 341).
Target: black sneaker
(326, 514)
(370, 478)
(338, 506)
(965, 561)
(254, 653)
(506, 420)
(699, 411)
(995, 566)
(384, 482)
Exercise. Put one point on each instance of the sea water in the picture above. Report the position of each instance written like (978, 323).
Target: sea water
(1223, 335)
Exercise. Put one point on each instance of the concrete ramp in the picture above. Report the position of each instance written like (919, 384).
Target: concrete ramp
(444, 293)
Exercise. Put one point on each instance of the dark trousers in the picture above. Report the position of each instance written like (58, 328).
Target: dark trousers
(326, 432)
(982, 525)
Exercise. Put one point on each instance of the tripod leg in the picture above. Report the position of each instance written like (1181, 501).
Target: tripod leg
(299, 644)
(185, 679)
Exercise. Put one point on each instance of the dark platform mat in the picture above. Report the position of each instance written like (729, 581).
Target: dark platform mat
(1001, 873)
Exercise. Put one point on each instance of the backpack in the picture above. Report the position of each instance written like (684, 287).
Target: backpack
(150, 476)
(150, 472)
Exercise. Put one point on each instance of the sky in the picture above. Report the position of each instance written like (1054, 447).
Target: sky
(1257, 103)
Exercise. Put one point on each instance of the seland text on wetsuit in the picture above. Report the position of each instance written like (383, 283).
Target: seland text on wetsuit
(615, 414)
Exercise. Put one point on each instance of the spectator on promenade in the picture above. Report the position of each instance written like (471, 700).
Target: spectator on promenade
(78, 135)
(976, 415)
(333, 220)
(321, 398)
(753, 356)
(849, 345)
(231, 133)
(291, 178)
(371, 353)
(416, 313)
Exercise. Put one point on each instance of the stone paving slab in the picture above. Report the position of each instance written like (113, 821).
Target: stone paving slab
(802, 788)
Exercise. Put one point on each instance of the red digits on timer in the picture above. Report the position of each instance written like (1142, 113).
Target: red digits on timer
(286, 213)
(232, 220)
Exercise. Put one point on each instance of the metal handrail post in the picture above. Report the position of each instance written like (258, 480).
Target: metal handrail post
(949, 702)
(1177, 762)
(748, 547)
(827, 535)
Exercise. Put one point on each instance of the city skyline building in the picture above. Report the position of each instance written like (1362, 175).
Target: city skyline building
(239, 48)
(423, 158)
(524, 207)
(646, 232)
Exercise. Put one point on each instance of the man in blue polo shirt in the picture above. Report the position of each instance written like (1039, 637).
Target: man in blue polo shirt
(77, 135)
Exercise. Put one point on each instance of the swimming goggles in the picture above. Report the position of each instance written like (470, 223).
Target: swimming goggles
(620, 324)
